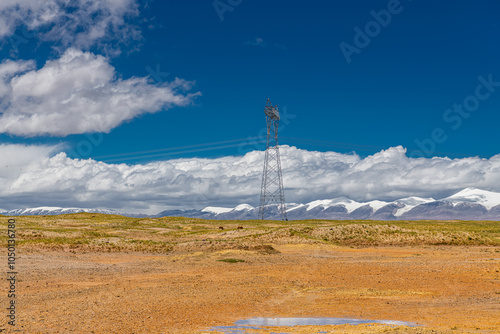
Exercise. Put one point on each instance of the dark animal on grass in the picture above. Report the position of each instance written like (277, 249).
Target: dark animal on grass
(240, 227)
(221, 227)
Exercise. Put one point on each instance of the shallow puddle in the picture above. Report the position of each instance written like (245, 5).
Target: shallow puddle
(241, 326)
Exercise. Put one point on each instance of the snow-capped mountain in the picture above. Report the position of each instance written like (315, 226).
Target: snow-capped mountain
(48, 210)
(216, 210)
(409, 203)
(468, 204)
(488, 199)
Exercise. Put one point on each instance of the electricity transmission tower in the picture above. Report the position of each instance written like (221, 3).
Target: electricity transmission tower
(272, 194)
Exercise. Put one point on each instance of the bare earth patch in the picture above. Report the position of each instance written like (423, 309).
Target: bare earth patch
(175, 282)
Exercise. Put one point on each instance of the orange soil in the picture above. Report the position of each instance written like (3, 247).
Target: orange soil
(445, 289)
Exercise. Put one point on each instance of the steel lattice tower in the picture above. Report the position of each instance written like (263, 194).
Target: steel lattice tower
(272, 194)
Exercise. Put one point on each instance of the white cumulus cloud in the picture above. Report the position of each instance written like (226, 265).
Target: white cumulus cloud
(77, 23)
(39, 176)
(77, 93)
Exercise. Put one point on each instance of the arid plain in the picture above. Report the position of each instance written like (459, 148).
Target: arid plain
(91, 273)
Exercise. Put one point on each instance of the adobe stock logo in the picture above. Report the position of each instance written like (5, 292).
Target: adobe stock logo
(372, 29)
(455, 116)
(223, 6)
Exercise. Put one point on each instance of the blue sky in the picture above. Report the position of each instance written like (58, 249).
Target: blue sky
(230, 56)
(395, 91)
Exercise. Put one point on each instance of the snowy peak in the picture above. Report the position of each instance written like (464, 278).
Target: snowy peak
(375, 205)
(414, 200)
(328, 203)
(409, 203)
(294, 206)
(216, 210)
(468, 204)
(50, 210)
(244, 207)
(488, 199)
(349, 204)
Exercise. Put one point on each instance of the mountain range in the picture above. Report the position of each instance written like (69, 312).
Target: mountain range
(468, 204)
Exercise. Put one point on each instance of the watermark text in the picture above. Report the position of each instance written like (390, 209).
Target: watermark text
(11, 272)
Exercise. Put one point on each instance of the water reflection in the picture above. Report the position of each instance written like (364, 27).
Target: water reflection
(241, 326)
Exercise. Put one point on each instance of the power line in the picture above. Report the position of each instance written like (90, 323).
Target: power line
(174, 148)
(218, 145)
(174, 153)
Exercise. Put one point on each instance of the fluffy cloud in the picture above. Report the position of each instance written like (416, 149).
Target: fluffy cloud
(78, 23)
(41, 178)
(77, 93)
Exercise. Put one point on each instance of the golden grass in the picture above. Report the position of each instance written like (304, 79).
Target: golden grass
(112, 233)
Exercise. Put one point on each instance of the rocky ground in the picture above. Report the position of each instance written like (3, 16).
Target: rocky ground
(186, 288)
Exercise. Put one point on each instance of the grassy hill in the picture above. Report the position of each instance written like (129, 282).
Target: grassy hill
(90, 232)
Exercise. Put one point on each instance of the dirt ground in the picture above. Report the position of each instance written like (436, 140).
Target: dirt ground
(444, 289)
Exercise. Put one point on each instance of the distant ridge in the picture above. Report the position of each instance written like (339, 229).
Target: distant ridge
(467, 204)
(49, 211)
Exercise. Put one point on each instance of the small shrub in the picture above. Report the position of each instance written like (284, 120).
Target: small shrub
(231, 260)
